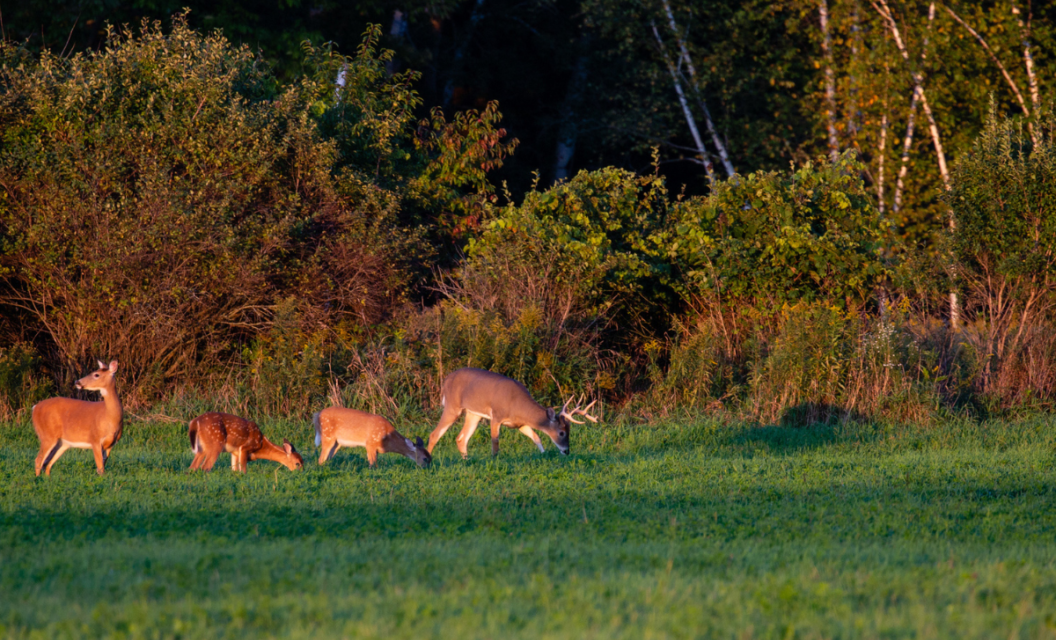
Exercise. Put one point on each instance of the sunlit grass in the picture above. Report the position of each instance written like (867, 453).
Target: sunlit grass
(681, 529)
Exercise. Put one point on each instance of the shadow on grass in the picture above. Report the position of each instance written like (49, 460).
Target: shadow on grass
(809, 425)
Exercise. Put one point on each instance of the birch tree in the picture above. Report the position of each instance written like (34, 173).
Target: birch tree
(686, 60)
(830, 80)
(702, 153)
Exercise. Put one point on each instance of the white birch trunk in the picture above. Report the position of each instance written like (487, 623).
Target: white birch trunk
(1028, 59)
(1004, 72)
(339, 82)
(716, 139)
(701, 150)
(907, 144)
(830, 81)
(918, 88)
(880, 154)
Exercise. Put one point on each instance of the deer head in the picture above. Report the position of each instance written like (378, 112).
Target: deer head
(293, 459)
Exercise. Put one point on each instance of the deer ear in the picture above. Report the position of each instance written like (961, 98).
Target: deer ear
(102, 365)
(287, 446)
(418, 442)
(551, 415)
(113, 366)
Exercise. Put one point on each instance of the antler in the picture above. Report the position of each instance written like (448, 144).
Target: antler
(578, 410)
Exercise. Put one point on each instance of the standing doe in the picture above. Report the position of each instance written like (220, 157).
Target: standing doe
(338, 427)
(213, 433)
(65, 423)
(483, 394)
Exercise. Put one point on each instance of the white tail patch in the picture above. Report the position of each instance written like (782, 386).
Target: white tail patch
(443, 401)
(318, 430)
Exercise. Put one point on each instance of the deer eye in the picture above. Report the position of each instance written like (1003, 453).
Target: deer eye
(561, 433)
(97, 375)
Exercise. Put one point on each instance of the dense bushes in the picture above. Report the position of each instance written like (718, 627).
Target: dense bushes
(161, 196)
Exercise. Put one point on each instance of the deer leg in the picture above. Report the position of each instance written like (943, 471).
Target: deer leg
(446, 420)
(54, 457)
(210, 460)
(46, 453)
(327, 450)
(495, 428)
(467, 432)
(528, 431)
(100, 459)
(372, 456)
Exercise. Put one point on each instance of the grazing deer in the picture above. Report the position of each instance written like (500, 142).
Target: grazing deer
(337, 427)
(65, 423)
(483, 394)
(213, 433)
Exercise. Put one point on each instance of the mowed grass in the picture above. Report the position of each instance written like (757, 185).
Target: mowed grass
(687, 528)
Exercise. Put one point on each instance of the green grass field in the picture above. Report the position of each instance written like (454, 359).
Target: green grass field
(686, 529)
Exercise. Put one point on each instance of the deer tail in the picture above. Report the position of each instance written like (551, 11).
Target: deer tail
(318, 429)
(192, 433)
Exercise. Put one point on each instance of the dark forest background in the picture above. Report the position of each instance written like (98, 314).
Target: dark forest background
(791, 211)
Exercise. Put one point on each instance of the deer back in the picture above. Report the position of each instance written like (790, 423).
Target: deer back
(352, 426)
(494, 396)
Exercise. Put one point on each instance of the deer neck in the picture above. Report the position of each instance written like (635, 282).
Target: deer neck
(395, 443)
(111, 403)
(270, 451)
(534, 415)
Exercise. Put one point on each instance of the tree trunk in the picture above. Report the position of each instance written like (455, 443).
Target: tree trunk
(918, 89)
(686, 111)
(907, 144)
(1004, 72)
(830, 81)
(1028, 59)
(880, 155)
(568, 131)
(716, 139)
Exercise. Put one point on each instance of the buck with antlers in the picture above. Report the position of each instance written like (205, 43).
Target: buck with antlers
(65, 423)
(338, 427)
(213, 433)
(502, 401)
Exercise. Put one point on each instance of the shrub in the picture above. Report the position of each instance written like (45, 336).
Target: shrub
(22, 382)
(1004, 199)
(766, 240)
(161, 195)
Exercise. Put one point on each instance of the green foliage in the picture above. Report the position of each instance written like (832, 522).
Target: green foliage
(1004, 200)
(161, 195)
(767, 239)
(453, 186)
(287, 367)
(672, 529)
(22, 381)
(367, 114)
(591, 232)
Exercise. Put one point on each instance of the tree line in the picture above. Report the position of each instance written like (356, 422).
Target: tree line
(209, 216)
